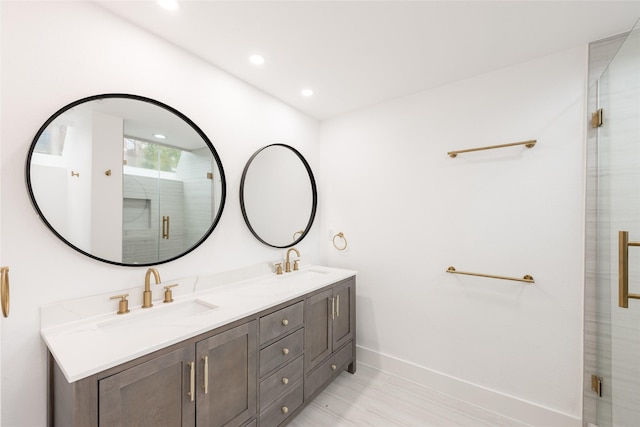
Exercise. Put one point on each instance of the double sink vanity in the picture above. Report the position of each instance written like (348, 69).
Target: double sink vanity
(245, 348)
(130, 181)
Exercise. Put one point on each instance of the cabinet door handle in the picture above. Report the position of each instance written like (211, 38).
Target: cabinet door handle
(337, 305)
(334, 367)
(192, 379)
(333, 308)
(285, 322)
(4, 290)
(285, 409)
(285, 381)
(285, 351)
(205, 386)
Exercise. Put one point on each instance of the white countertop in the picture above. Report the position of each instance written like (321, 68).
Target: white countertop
(86, 336)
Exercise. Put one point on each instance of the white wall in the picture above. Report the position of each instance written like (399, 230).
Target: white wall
(56, 52)
(409, 211)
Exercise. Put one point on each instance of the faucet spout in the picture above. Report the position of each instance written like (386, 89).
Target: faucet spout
(287, 264)
(146, 295)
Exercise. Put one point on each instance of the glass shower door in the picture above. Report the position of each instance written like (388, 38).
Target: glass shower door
(618, 238)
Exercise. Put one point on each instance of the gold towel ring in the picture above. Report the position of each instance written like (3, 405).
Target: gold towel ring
(4, 290)
(340, 235)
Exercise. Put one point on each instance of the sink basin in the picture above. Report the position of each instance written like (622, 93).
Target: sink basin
(160, 315)
(283, 284)
(301, 275)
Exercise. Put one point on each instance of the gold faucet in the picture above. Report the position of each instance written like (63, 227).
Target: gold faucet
(146, 295)
(287, 264)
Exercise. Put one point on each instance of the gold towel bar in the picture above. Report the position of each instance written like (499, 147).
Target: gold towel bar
(529, 144)
(527, 278)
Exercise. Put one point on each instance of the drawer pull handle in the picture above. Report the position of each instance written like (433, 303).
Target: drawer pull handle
(285, 409)
(285, 322)
(285, 380)
(334, 367)
(285, 351)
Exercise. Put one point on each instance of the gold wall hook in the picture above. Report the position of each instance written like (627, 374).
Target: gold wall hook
(337, 245)
(74, 173)
(107, 172)
(4, 290)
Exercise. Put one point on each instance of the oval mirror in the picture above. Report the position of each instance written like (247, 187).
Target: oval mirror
(278, 195)
(125, 179)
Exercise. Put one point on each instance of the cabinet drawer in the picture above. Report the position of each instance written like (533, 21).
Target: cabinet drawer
(336, 363)
(281, 382)
(281, 352)
(281, 322)
(282, 408)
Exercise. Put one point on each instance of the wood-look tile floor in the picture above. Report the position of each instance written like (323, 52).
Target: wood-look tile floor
(374, 398)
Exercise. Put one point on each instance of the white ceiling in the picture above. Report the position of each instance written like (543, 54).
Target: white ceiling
(358, 53)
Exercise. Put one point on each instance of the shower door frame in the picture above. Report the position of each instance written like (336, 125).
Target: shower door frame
(598, 297)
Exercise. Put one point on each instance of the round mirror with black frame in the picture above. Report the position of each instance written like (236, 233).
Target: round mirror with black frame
(278, 195)
(125, 179)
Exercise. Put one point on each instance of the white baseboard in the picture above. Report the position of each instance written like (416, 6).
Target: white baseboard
(508, 406)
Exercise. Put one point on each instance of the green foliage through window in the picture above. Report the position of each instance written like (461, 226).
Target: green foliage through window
(147, 155)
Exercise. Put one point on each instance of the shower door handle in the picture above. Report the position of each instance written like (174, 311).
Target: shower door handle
(165, 227)
(623, 269)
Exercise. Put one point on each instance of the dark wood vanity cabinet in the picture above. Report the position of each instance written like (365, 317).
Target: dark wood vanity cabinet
(329, 335)
(256, 372)
(150, 394)
(226, 393)
(207, 382)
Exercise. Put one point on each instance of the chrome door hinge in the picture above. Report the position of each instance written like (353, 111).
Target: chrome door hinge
(596, 118)
(596, 385)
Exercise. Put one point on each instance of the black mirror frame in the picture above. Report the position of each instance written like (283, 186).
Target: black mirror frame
(142, 99)
(314, 191)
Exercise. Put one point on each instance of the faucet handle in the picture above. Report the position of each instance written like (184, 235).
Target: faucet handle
(296, 264)
(168, 295)
(279, 268)
(123, 305)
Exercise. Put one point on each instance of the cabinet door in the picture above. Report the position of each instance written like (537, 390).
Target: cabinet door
(154, 393)
(317, 328)
(344, 313)
(227, 385)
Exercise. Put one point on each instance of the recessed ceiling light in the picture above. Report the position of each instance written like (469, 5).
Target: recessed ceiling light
(159, 136)
(168, 4)
(256, 59)
(306, 92)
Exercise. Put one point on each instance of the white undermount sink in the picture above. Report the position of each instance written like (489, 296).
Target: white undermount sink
(302, 274)
(160, 315)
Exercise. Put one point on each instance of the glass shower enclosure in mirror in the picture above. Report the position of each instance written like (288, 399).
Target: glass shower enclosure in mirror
(278, 195)
(125, 179)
